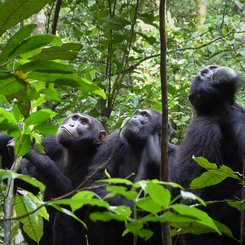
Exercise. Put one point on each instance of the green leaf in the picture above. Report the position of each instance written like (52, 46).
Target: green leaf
(67, 51)
(149, 205)
(121, 190)
(33, 223)
(15, 40)
(239, 205)
(14, 11)
(40, 117)
(31, 181)
(9, 84)
(67, 212)
(16, 112)
(205, 180)
(204, 163)
(8, 116)
(202, 217)
(134, 227)
(120, 213)
(23, 102)
(33, 43)
(213, 177)
(41, 211)
(79, 200)
(159, 194)
(22, 145)
(46, 66)
(46, 129)
(8, 174)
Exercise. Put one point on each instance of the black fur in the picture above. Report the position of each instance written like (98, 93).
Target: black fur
(217, 132)
(126, 152)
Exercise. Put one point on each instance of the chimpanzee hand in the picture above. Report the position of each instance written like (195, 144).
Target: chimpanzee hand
(10, 146)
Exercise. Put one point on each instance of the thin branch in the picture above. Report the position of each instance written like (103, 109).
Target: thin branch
(165, 229)
(134, 66)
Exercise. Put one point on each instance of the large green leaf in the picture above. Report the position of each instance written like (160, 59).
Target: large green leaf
(40, 117)
(10, 84)
(14, 11)
(159, 194)
(149, 205)
(23, 102)
(22, 145)
(15, 40)
(33, 43)
(33, 223)
(202, 217)
(46, 66)
(67, 51)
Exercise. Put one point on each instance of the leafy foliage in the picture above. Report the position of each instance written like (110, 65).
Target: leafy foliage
(105, 62)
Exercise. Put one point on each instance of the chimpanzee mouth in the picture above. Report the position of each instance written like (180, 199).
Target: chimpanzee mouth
(66, 130)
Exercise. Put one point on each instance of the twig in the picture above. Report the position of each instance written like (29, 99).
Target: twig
(165, 229)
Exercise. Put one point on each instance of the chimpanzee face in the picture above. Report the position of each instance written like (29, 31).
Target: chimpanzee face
(141, 124)
(213, 88)
(79, 128)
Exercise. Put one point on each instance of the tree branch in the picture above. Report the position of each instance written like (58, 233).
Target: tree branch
(56, 16)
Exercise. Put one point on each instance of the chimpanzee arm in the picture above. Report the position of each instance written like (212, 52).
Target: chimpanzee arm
(51, 174)
(150, 159)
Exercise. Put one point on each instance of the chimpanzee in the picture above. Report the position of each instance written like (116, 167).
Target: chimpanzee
(66, 164)
(7, 159)
(134, 149)
(217, 132)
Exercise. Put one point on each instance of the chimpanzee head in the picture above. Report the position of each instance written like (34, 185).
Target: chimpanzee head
(213, 89)
(79, 131)
(142, 124)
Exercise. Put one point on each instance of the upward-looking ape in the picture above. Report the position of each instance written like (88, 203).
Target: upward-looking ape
(217, 133)
(135, 149)
(66, 165)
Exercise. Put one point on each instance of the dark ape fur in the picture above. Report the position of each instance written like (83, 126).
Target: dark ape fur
(135, 149)
(217, 133)
(63, 168)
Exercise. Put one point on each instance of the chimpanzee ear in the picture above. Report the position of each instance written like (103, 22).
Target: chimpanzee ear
(102, 137)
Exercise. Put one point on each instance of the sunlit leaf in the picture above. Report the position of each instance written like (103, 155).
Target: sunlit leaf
(159, 194)
(202, 217)
(33, 223)
(67, 51)
(15, 40)
(40, 117)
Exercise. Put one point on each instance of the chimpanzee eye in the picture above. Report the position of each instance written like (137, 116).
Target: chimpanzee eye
(75, 117)
(144, 113)
(84, 121)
